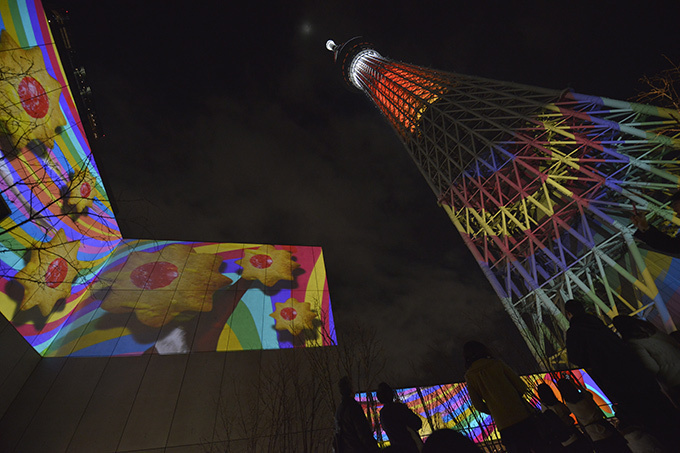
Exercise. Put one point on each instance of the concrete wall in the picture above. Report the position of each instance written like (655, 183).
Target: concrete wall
(17, 361)
(178, 403)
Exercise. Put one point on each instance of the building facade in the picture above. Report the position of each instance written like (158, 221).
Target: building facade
(115, 344)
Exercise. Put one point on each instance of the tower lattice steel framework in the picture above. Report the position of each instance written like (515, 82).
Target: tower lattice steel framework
(540, 184)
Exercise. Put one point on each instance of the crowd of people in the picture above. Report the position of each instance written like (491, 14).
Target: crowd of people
(638, 369)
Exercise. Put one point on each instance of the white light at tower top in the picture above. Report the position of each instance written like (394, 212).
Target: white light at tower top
(360, 64)
(330, 45)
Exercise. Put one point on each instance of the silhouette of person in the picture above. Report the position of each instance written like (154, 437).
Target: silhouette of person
(498, 391)
(449, 440)
(562, 426)
(659, 353)
(605, 438)
(618, 372)
(654, 238)
(353, 432)
(400, 424)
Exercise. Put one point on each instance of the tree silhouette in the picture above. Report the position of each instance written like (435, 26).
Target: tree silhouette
(662, 89)
(290, 403)
(49, 185)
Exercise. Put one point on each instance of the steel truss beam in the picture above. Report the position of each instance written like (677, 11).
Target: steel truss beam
(539, 183)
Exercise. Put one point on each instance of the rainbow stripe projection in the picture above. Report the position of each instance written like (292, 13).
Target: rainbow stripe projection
(222, 297)
(71, 285)
(665, 271)
(539, 183)
(61, 228)
(449, 406)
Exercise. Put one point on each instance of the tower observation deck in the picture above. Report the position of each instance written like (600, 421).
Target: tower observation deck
(540, 184)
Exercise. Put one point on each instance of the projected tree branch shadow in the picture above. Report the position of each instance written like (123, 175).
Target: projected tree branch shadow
(72, 285)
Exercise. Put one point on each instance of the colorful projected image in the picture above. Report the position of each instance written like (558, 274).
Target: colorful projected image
(71, 285)
(59, 228)
(665, 270)
(175, 297)
(449, 406)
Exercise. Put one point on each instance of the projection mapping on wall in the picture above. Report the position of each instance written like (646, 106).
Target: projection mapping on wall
(448, 406)
(72, 285)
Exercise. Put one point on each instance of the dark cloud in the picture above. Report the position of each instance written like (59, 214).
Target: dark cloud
(224, 122)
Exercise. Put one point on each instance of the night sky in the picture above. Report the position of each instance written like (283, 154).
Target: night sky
(228, 122)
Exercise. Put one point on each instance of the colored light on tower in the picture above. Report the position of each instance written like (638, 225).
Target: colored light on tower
(540, 184)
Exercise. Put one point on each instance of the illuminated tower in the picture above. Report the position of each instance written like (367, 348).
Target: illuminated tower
(540, 184)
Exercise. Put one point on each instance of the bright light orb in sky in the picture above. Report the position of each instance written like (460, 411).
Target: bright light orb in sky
(306, 28)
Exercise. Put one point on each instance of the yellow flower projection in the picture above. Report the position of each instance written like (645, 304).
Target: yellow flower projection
(293, 316)
(267, 264)
(79, 191)
(48, 275)
(29, 96)
(158, 286)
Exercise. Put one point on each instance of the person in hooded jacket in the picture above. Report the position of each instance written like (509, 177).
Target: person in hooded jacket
(495, 389)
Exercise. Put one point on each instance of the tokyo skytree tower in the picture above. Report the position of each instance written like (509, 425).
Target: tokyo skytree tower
(540, 184)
